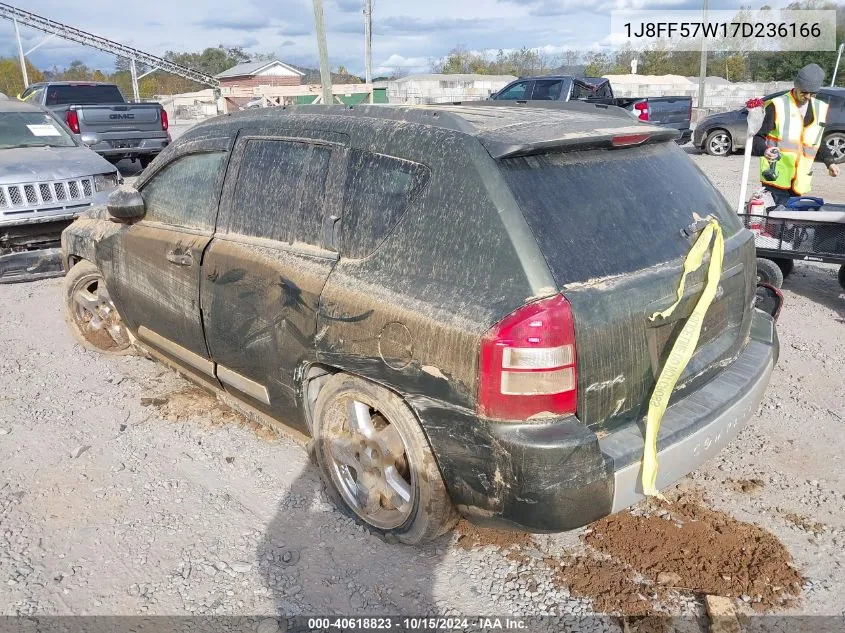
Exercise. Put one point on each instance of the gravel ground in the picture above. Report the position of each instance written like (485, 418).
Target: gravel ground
(110, 504)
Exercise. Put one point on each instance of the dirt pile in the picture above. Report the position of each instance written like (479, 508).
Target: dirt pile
(471, 536)
(197, 403)
(684, 546)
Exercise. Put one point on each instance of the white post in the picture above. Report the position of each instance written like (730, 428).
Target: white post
(134, 72)
(836, 68)
(21, 55)
(325, 73)
(368, 44)
(702, 78)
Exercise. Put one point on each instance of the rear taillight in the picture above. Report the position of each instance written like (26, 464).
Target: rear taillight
(72, 120)
(164, 122)
(623, 140)
(528, 363)
(642, 110)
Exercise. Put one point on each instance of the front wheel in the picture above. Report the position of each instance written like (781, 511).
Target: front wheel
(718, 143)
(90, 313)
(376, 461)
(768, 272)
(842, 276)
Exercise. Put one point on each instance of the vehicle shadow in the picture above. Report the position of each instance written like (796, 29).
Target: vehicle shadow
(818, 284)
(315, 560)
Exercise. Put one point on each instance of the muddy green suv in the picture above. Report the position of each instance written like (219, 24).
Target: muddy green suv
(453, 302)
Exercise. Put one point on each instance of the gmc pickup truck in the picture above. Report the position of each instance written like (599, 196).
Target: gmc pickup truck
(104, 121)
(672, 112)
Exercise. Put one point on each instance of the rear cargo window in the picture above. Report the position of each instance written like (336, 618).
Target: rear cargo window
(378, 189)
(599, 213)
(82, 95)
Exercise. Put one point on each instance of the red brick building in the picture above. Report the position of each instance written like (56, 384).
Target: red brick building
(264, 73)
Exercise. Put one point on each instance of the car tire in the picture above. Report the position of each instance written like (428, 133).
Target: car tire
(834, 143)
(785, 264)
(842, 276)
(90, 313)
(769, 272)
(145, 161)
(718, 143)
(376, 463)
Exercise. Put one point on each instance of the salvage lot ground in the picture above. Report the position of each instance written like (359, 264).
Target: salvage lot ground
(124, 490)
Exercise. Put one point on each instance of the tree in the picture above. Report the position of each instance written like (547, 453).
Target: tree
(598, 64)
(11, 79)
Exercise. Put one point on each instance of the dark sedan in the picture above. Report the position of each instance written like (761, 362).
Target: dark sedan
(723, 133)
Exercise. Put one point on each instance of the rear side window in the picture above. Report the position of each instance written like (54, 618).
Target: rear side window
(185, 192)
(280, 190)
(547, 90)
(378, 190)
(82, 95)
(599, 213)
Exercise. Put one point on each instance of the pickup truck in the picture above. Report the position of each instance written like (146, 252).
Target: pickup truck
(673, 112)
(104, 121)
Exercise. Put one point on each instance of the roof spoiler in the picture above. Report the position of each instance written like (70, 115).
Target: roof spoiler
(572, 141)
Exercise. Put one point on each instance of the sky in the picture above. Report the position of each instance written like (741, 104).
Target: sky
(407, 35)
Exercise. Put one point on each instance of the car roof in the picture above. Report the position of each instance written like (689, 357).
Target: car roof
(13, 105)
(503, 128)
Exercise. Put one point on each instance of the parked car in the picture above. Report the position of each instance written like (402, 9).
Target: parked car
(724, 133)
(105, 122)
(673, 112)
(451, 301)
(47, 179)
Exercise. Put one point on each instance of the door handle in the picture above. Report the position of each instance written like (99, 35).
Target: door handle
(180, 258)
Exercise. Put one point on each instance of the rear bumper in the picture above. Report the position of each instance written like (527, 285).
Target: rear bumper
(558, 475)
(31, 265)
(111, 147)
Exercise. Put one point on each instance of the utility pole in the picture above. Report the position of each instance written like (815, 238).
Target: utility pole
(368, 44)
(325, 74)
(702, 77)
(21, 55)
(134, 73)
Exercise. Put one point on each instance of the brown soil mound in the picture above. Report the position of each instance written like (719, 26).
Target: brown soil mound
(471, 536)
(692, 548)
(194, 402)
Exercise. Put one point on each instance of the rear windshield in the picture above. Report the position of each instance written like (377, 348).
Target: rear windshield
(82, 95)
(599, 213)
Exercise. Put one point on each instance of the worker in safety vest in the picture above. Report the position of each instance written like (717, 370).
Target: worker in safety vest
(793, 127)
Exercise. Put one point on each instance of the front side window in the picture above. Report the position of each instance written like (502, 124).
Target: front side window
(516, 91)
(185, 192)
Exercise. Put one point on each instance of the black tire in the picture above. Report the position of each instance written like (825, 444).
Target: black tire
(96, 324)
(429, 511)
(718, 143)
(834, 143)
(785, 264)
(842, 276)
(145, 161)
(768, 272)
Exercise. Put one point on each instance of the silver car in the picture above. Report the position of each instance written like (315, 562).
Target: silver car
(47, 178)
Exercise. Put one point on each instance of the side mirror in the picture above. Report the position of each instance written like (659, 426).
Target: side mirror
(125, 203)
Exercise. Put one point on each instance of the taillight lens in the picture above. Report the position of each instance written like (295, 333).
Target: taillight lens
(164, 122)
(624, 140)
(642, 110)
(72, 120)
(528, 363)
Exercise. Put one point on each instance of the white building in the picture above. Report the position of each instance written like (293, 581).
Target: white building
(416, 89)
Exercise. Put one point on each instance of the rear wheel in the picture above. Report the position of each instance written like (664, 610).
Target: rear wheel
(90, 313)
(376, 461)
(768, 272)
(145, 161)
(785, 264)
(718, 143)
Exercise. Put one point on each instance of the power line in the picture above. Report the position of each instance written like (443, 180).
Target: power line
(95, 41)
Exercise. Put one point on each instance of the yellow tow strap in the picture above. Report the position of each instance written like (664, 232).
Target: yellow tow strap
(684, 346)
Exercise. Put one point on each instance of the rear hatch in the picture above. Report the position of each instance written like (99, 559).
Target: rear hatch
(610, 224)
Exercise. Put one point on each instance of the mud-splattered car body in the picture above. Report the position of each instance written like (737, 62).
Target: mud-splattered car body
(410, 235)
